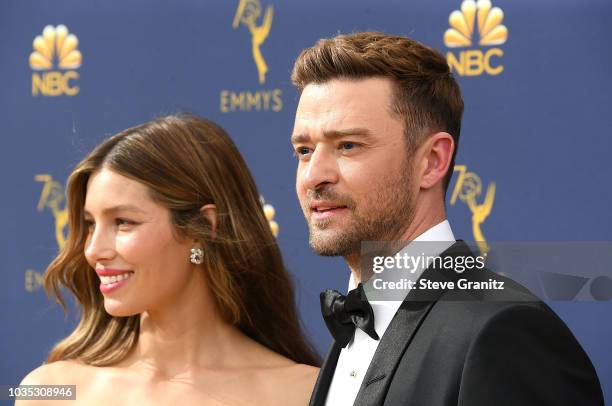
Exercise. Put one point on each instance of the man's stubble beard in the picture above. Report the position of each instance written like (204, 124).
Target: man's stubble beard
(390, 212)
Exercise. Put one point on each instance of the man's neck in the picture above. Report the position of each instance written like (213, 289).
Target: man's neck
(413, 231)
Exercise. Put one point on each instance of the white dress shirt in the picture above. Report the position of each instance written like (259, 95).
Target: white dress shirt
(355, 358)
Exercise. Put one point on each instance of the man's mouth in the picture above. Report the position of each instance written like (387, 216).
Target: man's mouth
(325, 210)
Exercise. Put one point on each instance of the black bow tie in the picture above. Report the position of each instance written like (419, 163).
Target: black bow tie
(343, 313)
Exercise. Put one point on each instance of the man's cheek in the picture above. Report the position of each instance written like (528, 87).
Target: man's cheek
(305, 208)
(299, 184)
(301, 193)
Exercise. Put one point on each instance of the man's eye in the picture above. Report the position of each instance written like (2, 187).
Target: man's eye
(301, 151)
(348, 145)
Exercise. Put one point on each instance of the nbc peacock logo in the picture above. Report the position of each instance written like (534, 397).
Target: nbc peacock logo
(54, 61)
(476, 23)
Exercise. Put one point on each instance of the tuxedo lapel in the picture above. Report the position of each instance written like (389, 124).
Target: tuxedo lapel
(398, 335)
(319, 393)
(389, 352)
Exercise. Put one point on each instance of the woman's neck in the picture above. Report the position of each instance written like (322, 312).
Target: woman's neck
(184, 335)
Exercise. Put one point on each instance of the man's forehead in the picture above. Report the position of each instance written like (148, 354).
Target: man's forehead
(343, 104)
(376, 87)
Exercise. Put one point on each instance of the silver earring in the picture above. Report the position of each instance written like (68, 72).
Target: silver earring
(197, 256)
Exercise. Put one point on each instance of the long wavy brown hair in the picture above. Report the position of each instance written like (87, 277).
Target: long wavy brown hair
(186, 162)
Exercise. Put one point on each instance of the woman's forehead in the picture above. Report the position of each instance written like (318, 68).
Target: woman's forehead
(110, 191)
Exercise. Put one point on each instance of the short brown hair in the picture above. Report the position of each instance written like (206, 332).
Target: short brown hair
(426, 96)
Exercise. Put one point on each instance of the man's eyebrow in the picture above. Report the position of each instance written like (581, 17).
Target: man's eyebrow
(349, 132)
(119, 207)
(299, 138)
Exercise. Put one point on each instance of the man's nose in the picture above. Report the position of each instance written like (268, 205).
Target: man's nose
(322, 168)
(100, 245)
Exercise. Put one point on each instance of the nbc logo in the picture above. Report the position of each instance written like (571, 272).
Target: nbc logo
(487, 20)
(54, 60)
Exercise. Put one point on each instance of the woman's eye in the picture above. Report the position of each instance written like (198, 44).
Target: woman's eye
(124, 222)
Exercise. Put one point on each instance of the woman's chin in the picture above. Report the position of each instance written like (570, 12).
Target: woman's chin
(119, 309)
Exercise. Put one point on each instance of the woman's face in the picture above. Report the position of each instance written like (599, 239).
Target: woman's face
(130, 243)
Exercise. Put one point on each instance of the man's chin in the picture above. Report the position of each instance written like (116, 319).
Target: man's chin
(330, 243)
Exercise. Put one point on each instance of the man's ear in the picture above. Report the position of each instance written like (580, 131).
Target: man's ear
(437, 155)
(210, 212)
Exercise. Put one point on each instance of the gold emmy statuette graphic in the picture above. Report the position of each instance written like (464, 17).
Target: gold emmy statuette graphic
(259, 99)
(247, 14)
(475, 16)
(468, 187)
(52, 197)
(269, 212)
(55, 49)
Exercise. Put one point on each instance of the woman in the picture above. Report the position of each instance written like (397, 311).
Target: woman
(183, 291)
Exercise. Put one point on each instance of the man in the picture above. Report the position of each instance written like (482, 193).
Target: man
(376, 133)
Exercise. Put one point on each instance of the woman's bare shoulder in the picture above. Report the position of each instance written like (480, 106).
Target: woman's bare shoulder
(303, 372)
(293, 384)
(306, 375)
(56, 373)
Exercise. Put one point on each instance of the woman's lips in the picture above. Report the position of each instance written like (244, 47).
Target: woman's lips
(111, 271)
(111, 283)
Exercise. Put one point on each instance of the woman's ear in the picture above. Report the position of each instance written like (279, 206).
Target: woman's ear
(210, 212)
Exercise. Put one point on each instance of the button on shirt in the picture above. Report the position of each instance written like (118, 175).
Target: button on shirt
(355, 358)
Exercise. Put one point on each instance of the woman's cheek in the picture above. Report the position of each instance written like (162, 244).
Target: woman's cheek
(133, 246)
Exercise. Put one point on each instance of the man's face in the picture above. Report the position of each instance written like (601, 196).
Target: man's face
(354, 176)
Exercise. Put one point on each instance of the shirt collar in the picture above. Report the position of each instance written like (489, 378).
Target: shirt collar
(384, 310)
(440, 232)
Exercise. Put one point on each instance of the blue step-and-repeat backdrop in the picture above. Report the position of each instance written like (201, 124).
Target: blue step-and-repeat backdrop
(533, 163)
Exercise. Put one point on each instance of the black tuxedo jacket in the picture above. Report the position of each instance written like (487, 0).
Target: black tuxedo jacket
(443, 348)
